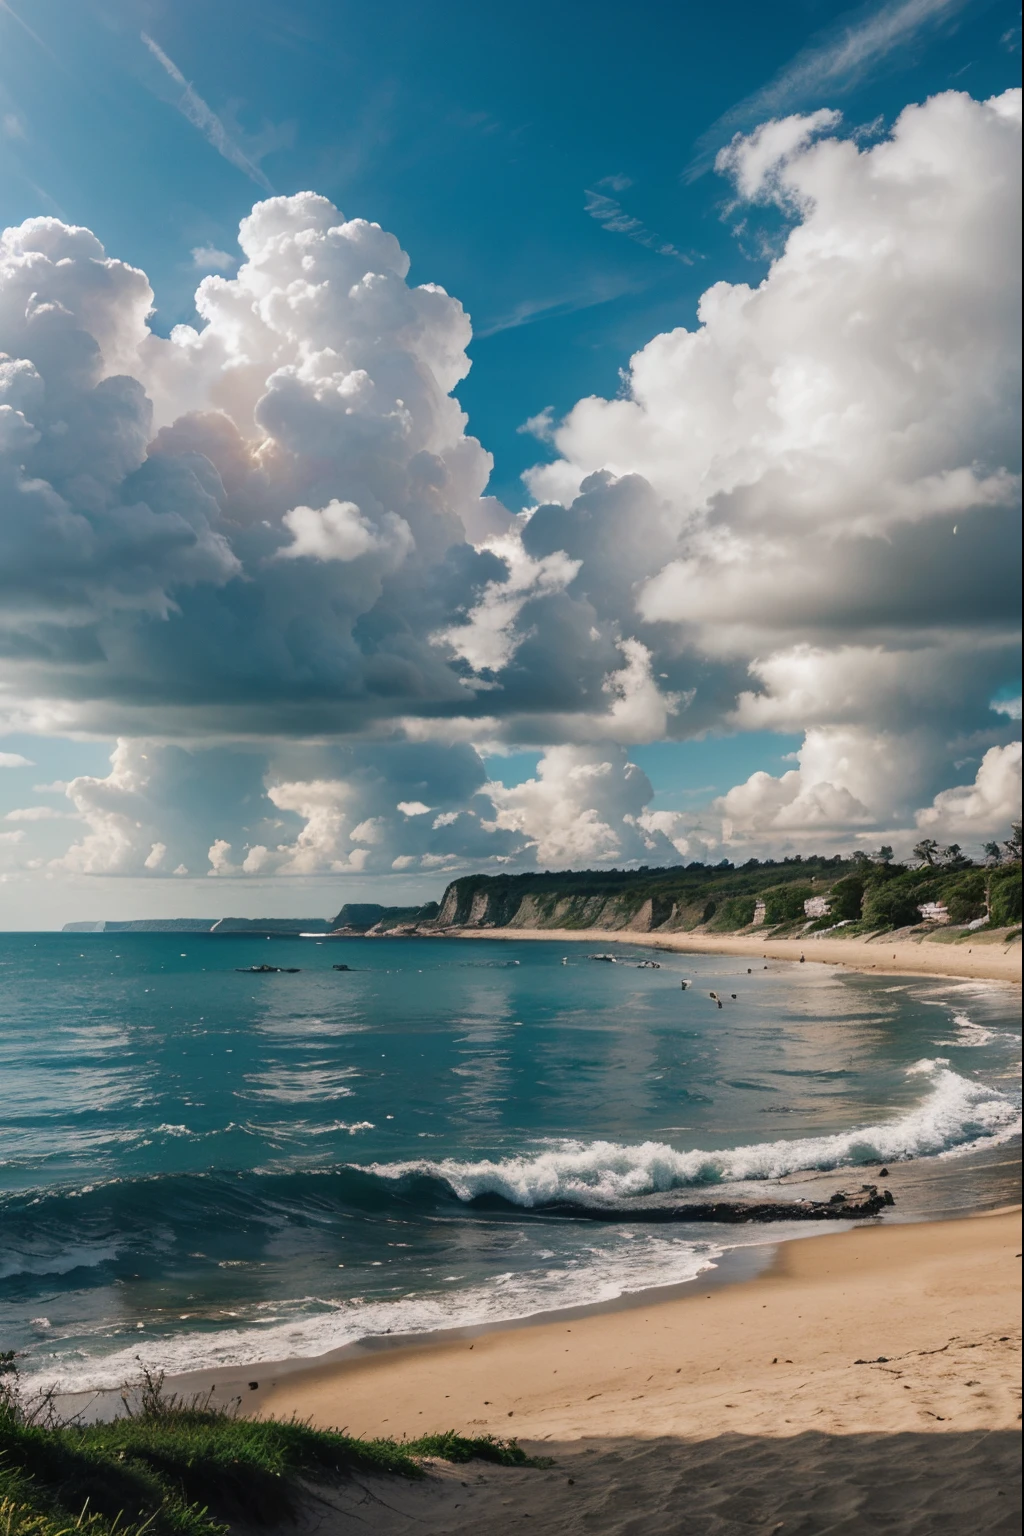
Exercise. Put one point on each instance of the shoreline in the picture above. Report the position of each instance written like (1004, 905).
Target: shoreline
(980, 961)
(836, 1304)
(929, 1192)
(865, 1378)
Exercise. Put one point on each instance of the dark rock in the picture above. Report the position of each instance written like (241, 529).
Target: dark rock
(267, 970)
(341, 967)
(732, 1212)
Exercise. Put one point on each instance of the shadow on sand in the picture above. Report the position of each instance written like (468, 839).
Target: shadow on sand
(959, 1484)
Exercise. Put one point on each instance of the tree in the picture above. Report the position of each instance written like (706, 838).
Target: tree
(884, 855)
(953, 856)
(926, 850)
(993, 853)
(1013, 842)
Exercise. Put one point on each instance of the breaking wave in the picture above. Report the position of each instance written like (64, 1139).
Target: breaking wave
(957, 1112)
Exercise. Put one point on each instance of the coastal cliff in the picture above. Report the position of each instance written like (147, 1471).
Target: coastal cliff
(794, 895)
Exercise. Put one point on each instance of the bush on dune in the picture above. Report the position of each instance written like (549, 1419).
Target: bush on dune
(185, 1469)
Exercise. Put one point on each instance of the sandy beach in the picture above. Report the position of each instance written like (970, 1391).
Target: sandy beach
(991, 957)
(866, 1380)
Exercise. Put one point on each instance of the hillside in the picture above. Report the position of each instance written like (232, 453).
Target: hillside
(863, 895)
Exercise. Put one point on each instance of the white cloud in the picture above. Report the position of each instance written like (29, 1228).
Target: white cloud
(266, 541)
(340, 532)
(34, 813)
(219, 856)
(15, 760)
(972, 812)
(209, 258)
(582, 807)
(755, 161)
(639, 710)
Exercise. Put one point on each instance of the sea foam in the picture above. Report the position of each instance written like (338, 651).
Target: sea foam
(623, 1263)
(956, 1112)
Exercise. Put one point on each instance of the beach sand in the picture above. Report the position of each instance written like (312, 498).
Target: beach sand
(765, 1405)
(991, 957)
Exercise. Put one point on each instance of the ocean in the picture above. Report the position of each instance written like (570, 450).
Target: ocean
(201, 1166)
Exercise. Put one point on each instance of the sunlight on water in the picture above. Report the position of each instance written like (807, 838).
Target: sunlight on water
(201, 1166)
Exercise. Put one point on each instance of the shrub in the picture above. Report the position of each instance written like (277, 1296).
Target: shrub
(1004, 896)
(847, 899)
(889, 904)
(785, 903)
(966, 898)
(736, 912)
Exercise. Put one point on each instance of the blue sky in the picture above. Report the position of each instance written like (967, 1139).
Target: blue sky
(475, 133)
(551, 166)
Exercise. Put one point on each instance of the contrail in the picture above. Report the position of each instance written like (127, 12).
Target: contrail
(194, 108)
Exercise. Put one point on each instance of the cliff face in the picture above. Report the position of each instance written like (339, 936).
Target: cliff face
(468, 904)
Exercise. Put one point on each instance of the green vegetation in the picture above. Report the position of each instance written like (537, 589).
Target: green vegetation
(785, 903)
(866, 893)
(847, 899)
(1005, 897)
(736, 912)
(170, 1468)
(891, 904)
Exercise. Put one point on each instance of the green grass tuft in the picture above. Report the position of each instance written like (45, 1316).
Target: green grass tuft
(451, 1446)
(186, 1469)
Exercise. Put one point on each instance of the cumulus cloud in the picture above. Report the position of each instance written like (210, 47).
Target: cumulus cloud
(261, 550)
(983, 809)
(580, 808)
(340, 532)
(272, 810)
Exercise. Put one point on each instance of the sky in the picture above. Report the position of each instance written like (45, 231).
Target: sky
(464, 438)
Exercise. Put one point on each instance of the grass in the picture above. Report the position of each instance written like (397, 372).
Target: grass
(171, 1468)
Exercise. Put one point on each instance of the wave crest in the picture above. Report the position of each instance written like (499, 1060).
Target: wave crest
(957, 1112)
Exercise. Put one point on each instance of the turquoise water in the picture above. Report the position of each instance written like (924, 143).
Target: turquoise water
(200, 1166)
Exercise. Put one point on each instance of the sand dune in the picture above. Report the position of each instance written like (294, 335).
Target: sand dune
(869, 1380)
